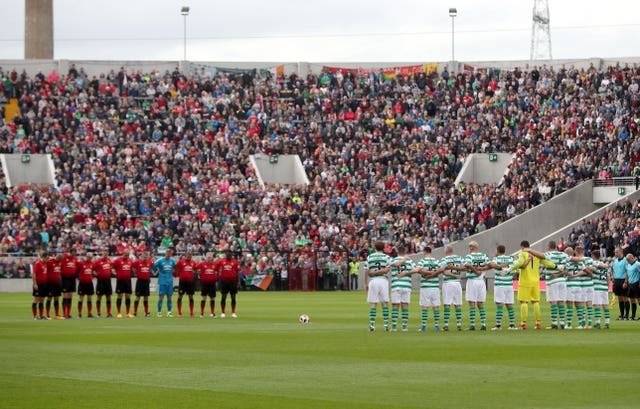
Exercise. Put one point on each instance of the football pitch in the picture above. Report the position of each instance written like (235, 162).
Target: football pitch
(266, 359)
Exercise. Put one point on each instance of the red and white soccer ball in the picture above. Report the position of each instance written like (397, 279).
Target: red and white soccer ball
(304, 319)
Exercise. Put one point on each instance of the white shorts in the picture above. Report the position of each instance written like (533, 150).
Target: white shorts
(588, 294)
(575, 294)
(476, 291)
(452, 293)
(503, 294)
(557, 292)
(378, 291)
(600, 298)
(429, 297)
(401, 296)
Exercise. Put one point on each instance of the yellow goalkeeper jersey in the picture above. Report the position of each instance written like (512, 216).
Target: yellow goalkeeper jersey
(530, 269)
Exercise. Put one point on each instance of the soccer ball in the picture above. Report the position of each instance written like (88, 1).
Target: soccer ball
(304, 319)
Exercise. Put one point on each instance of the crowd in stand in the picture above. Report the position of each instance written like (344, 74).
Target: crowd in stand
(154, 160)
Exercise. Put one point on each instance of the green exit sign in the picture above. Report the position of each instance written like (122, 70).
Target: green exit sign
(493, 157)
(273, 159)
(621, 191)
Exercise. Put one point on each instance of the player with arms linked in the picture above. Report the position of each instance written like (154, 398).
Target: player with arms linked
(229, 271)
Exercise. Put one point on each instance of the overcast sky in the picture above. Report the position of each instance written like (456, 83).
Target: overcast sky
(325, 30)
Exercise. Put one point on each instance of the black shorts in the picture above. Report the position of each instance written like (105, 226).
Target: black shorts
(103, 287)
(85, 288)
(42, 290)
(228, 287)
(187, 287)
(54, 289)
(68, 284)
(634, 290)
(123, 286)
(618, 289)
(208, 290)
(142, 288)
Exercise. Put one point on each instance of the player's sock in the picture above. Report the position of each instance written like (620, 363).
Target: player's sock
(48, 308)
(405, 317)
(607, 315)
(590, 315)
(385, 316)
(191, 307)
(119, 305)
(621, 306)
(372, 316)
(472, 317)
(41, 309)
(634, 306)
(436, 318)
(56, 307)
(536, 312)
(145, 303)
(554, 314)
(570, 315)
(562, 312)
(598, 315)
(99, 306)
(580, 314)
(394, 317)
(67, 312)
(483, 316)
(108, 306)
(127, 304)
(89, 307)
(179, 306)
(34, 309)
(512, 315)
(499, 313)
(233, 305)
(135, 307)
(447, 316)
(159, 306)
(79, 307)
(424, 317)
(169, 305)
(459, 316)
(64, 307)
(524, 312)
(212, 306)
(627, 304)
(203, 304)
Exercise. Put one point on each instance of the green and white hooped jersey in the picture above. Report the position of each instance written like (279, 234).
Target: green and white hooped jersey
(452, 260)
(401, 282)
(503, 280)
(601, 277)
(377, 261)
(558, 258)
(573, 268)
(476, 260)
(588, 281)
(431, 264)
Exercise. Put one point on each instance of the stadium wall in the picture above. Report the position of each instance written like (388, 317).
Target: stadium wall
(478, 168)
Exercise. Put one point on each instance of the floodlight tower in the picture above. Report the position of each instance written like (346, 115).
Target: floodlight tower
(540, 31)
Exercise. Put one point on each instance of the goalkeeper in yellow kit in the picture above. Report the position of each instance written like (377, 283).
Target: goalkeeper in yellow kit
(529, 284)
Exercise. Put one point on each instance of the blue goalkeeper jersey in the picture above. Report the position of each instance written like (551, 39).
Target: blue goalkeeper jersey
(165, 267)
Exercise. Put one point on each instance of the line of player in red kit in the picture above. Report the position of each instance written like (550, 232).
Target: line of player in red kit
(56, 275)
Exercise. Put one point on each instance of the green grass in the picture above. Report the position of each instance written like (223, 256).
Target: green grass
(266, 359)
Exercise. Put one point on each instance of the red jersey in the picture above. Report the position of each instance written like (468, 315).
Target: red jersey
(143, 269)
(40, 271)
(104, 268)
(54, 271)
(69, 266)
(123, 268)
(208, 272)
(185, 269)
(85, 271)
(228, 269)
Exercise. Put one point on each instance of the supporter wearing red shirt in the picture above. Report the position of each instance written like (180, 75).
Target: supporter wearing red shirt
(54, 287)
(207, 270)
(39, 277)
(123, 267)
(228, 269)
(86, 272)
(104, 269)
(186, 270)
(142, 269)
(69, 274)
